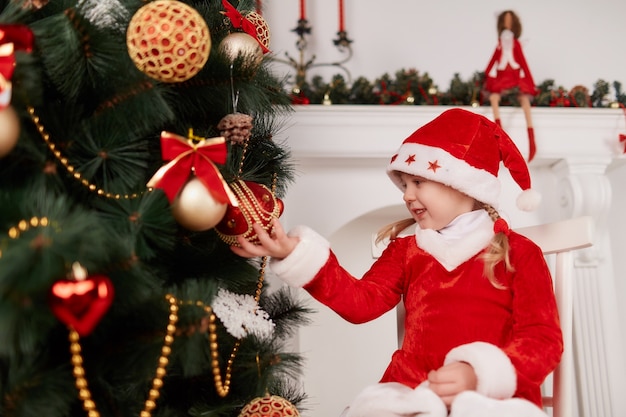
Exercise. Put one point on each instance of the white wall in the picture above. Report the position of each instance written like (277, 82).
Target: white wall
(574, 42)
(570, 41)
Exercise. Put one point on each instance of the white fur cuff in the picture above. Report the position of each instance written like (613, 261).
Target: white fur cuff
(495, 373)
(308, 257)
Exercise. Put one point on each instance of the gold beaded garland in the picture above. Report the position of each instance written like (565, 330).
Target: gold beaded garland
(71, 169)
(153, 394)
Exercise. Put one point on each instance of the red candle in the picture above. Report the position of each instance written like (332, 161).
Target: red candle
(341, 23)
(302, 10)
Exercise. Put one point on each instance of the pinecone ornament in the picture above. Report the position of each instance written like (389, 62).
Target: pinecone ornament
(235, 127)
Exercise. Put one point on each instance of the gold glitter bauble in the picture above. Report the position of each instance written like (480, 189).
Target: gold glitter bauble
(195, 209)
(262, 28)
(269, 406)
(168, 41)
(241, 44)
(9, 130)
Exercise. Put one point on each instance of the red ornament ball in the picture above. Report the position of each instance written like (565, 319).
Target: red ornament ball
(269, 406)
(256, 204)
(168, 41)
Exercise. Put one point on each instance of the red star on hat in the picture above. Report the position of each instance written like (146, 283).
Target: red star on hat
(434, 166)
(410, 159)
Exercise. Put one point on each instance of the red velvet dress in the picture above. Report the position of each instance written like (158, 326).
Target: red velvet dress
(451, 309)
(508, 68)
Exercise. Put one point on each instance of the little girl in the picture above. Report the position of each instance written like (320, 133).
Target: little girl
(481, 329)
(507, 69)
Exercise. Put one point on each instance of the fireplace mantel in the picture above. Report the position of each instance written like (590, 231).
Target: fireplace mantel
(340, 153)
(366, 132)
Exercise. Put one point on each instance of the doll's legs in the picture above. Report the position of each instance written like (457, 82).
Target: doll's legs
(473, 404)
(524, 100)
(392, 399)
(494, 99)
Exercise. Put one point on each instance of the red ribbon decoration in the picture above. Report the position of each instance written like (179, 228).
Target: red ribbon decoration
(12, 38)
(501, 226)
(185, 157)
(240, 22)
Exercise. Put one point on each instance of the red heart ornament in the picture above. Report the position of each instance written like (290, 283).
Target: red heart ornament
(80, 304)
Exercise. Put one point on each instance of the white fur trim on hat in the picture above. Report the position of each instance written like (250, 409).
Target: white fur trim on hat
(495, 373)
(305, 261)
(438, 165)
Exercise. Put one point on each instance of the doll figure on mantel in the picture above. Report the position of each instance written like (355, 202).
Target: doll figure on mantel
(508, 69)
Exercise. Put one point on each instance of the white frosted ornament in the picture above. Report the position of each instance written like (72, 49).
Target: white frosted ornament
(195, 209)
(241, 44)
(9, 130)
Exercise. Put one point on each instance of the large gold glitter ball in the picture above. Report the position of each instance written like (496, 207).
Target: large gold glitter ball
(9, 130)
(269, 406)
(262, 28)
(195, 209)
(168, 41)
(240, 44)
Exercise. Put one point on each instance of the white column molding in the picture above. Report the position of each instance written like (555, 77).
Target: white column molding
(585, 190)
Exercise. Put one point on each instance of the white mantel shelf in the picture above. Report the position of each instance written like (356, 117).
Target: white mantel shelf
(374, 131)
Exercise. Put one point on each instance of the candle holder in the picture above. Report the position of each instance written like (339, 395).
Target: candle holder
(301, 65)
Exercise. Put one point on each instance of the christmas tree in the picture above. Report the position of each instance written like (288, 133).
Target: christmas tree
(135, 145)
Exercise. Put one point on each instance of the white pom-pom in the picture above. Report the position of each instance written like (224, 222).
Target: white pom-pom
(528, 200)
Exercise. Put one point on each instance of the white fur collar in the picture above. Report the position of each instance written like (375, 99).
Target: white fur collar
(463, 238)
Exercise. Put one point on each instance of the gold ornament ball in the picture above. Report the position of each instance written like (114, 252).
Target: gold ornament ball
(241, 44)
(168, 41)
(262, 28)
(269, 406)
(9, 130)
(195, 209)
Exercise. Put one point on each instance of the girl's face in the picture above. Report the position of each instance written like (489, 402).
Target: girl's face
(433, 205)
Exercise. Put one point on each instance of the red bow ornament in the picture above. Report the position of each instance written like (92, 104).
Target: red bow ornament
(187, 156)
(12, 38)
(240, 22)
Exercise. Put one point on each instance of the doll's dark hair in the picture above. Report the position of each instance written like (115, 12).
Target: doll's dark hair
(516, 27)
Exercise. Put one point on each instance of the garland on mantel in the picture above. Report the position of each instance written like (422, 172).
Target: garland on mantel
(409, 87)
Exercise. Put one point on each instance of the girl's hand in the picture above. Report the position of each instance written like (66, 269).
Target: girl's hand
(452, 379)
(277, 245)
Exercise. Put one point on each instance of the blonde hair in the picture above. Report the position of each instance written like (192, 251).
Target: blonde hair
(497, 251)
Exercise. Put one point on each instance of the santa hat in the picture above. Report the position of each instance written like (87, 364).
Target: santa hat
(463, 150)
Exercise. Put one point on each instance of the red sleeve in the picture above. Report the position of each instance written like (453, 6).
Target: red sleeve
(362, 300)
